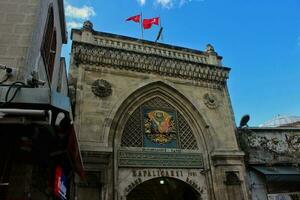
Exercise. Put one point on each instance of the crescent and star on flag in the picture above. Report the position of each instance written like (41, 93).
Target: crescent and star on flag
(135, 18)
(146, 23)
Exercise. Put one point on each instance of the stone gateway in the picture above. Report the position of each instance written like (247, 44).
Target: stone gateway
(154, 121)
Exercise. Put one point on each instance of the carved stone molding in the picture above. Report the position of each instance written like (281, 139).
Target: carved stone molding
(227, 158)
(101, 88)
(210, 101)
(148, 63)
(129, 158)
(158, 50)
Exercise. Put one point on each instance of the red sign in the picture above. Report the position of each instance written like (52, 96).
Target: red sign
(60, 189)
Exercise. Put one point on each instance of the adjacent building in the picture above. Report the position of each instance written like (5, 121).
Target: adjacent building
(154, 120)
(38, 145)
(273, 158)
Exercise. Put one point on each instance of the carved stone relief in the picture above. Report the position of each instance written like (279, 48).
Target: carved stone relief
(211, 101)
(98, 56)
(101, 88)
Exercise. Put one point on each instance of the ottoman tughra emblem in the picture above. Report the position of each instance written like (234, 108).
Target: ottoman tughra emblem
(210, 101)
(159, 125)
(101, 88)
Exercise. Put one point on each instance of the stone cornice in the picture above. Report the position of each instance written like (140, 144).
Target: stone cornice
(148, 62)
(227, 158)
(145, 46)
(142, 46)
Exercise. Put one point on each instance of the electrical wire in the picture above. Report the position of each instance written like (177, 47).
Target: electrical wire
(4, 80)
(21, 84)
(18, 85)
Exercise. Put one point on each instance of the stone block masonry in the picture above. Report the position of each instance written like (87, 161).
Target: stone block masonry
(16, 27)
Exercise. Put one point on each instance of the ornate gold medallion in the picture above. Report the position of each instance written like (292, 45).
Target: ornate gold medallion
(159, 125)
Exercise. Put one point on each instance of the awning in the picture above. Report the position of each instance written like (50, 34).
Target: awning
(279, 173)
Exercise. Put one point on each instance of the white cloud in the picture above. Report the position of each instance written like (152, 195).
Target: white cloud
(182, 2)
(172, 3)
(141, 2)
(84, 12)
(165, 3)
(73, 24)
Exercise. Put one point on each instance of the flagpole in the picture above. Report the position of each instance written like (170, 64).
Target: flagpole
(142, 25)
(160, 28)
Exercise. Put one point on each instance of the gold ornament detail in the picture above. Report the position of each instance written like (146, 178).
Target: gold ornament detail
(160, 126)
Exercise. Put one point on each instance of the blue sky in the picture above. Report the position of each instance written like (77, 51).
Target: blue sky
(258, 39)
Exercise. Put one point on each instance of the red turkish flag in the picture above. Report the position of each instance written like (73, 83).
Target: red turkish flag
(147, 23)
(135, 18)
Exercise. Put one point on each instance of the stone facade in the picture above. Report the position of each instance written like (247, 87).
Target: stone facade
(17, 24)
(116, 78)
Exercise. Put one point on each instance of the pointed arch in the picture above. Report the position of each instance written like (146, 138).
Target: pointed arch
(165, 90)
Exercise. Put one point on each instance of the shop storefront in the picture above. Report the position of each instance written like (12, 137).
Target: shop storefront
(35, 141)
